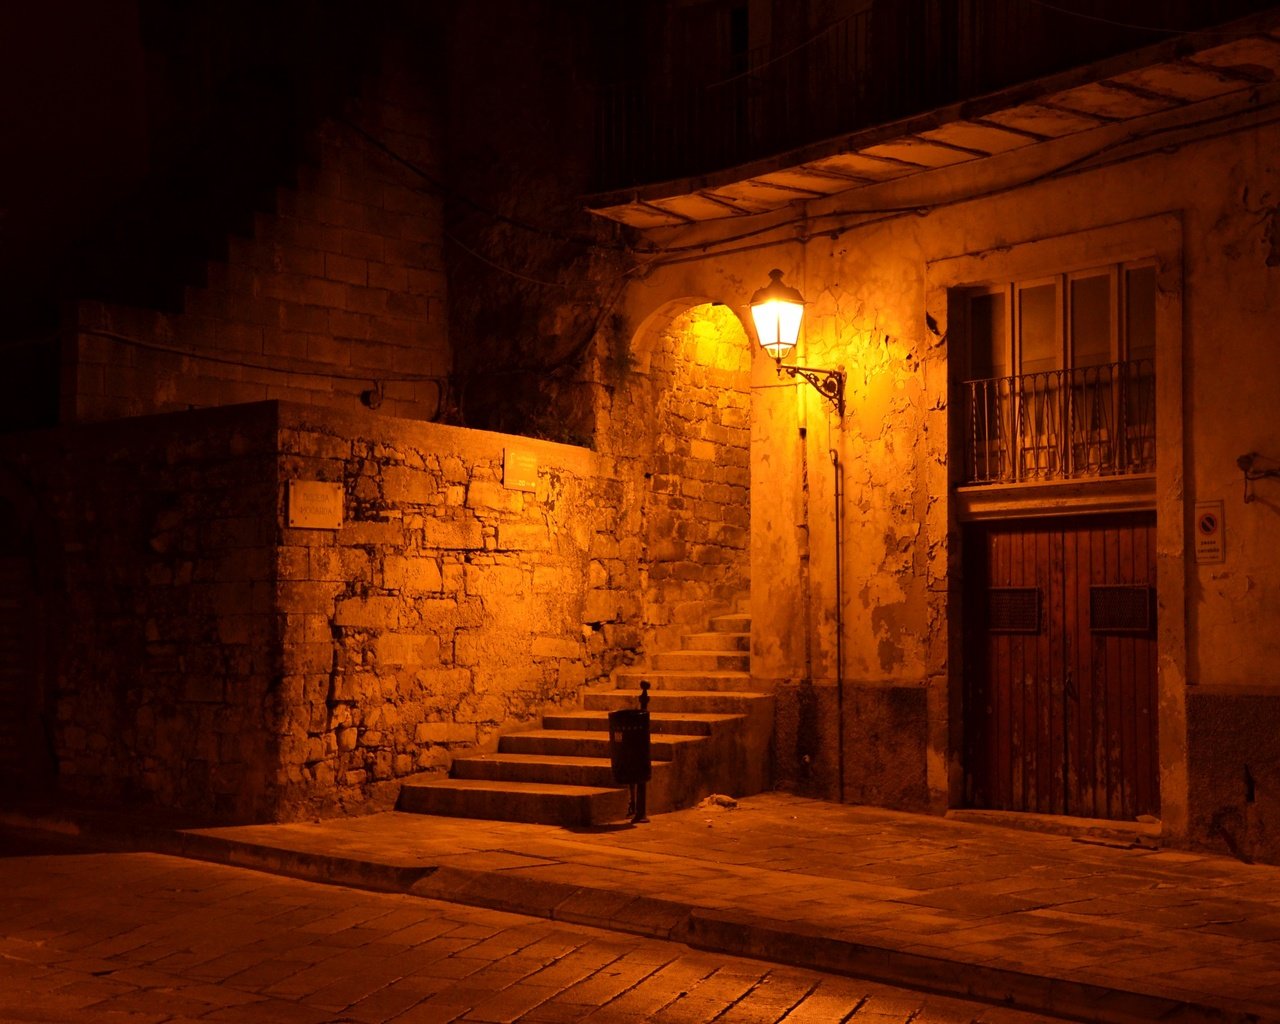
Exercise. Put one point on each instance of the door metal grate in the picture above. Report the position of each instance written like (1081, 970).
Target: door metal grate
(1120, 609)
(1013, 609)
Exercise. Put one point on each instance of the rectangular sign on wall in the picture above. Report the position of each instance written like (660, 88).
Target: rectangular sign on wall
(313, 505)
(1209, 533)
(519, 469)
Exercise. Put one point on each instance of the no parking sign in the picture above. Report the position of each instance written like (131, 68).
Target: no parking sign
(1210, 540)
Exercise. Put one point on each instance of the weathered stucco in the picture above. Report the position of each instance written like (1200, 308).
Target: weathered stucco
(875, 274)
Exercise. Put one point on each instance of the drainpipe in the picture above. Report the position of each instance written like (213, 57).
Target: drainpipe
(839, 510)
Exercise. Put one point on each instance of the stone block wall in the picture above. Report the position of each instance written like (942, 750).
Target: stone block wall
(449, 607)
(681, 426)
(163, 653)
(214, 660)
(338, 291)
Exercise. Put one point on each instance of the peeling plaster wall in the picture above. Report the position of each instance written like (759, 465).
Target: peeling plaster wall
(866, 281)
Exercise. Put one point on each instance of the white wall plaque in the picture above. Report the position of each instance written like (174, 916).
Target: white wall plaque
(1209, 531)
(519, 469)
(313, 505)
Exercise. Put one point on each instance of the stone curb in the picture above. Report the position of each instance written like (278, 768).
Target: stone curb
(735, 934)
(806, 946)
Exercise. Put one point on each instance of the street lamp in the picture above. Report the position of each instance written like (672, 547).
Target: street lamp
(776, 310)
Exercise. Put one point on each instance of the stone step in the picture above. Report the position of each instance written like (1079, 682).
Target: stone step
(674, 679)
(716, 642)
(585, 743)
(711, 733)
(539, 802)
(712, 702)
(702, 661)
(689, 723)
(560, 770)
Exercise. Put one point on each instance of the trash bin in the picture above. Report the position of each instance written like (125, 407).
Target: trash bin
(629, 746)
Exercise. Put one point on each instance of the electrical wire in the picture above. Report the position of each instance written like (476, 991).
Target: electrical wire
(879, 213)
(1104, 21)
(439, 187)
(603, 310)
(1153, 29)
(497, 266)
(151, 346)
(780, 57)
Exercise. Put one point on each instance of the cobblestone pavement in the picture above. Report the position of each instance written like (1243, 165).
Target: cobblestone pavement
(142, 938)
(1035, 919)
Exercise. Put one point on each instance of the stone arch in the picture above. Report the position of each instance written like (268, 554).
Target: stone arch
(647, 333)
(680, 423)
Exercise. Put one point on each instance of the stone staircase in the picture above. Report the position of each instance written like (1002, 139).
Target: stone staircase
(710, 733)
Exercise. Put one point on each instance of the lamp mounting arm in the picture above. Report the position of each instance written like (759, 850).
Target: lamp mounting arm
(828, 383)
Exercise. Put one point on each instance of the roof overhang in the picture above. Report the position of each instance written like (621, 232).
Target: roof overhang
(1179, 73)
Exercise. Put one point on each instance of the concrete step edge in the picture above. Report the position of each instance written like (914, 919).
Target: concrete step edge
(594, 734)
(655, 717)
(634, 694)
(550, 789)
(657, 676)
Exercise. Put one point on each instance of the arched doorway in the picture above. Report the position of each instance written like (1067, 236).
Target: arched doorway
(681, 417)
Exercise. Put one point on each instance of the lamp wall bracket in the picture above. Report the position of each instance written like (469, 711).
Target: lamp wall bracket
(828, 383)
(1256, 467)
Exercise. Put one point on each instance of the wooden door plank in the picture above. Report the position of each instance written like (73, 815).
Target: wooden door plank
(1125, 685)
(1002, 680)
(1022, 692)
(1114, 685)
(1047, 773)
(1067, 626)
(1031, 742)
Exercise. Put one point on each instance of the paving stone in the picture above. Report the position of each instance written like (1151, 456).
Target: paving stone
(1030, 909)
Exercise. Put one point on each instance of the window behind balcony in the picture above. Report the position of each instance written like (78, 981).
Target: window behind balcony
(1059, 381)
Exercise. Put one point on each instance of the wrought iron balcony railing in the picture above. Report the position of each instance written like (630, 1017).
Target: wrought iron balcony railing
(1061, 424)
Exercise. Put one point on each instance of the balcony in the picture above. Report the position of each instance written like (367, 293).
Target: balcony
(883, 62)
(1059, 425)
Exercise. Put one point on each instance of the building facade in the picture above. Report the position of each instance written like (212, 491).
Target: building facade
(1026, 570)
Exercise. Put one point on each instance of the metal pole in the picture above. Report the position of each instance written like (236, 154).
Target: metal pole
(639, 791)
(839, 510)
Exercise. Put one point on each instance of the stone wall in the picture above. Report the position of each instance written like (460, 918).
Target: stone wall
(338, 292)
(215, 660)
(164, 656)
(449, 607)
(679, 424)
(1235, 789)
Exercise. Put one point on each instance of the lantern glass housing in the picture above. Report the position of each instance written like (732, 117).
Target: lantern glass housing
(777, 310)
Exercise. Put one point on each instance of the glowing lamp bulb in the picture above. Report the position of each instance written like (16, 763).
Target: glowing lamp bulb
(776, 310)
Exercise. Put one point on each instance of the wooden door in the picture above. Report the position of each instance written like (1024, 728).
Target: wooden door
(1060, 666)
